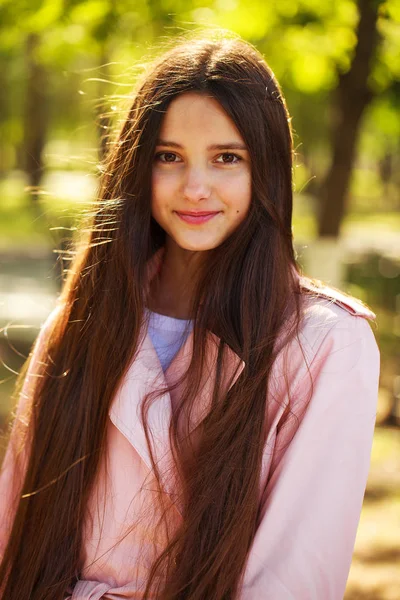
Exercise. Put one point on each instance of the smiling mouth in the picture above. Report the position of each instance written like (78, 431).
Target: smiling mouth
(196, 218)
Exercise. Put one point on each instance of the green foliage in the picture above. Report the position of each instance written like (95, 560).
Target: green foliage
(92, 51)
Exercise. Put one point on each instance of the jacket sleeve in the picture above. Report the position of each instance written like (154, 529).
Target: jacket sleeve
(314, 492)
(16, 456)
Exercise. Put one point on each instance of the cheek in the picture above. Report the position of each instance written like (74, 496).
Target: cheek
(161, 193)
(237, 195)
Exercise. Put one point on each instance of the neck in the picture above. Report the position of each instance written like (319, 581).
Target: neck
(171, 292)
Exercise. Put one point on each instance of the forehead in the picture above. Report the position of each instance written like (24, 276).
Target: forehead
(197, 113)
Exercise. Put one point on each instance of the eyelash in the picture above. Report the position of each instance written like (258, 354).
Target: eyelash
(239, 158)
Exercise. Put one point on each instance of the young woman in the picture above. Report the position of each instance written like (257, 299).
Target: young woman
(197, 416)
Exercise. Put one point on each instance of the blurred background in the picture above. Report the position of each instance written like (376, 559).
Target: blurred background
(67, 70)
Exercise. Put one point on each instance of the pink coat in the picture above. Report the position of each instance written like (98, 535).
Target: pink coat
(314, 471)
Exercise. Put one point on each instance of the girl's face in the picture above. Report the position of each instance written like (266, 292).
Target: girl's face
(201, 178)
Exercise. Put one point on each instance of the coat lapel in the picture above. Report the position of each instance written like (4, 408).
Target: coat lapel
(145, 375)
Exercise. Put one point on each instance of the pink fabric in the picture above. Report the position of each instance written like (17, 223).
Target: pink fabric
(315, 464)
(93, 590)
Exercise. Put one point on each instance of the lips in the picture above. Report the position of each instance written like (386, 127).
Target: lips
(196, 217)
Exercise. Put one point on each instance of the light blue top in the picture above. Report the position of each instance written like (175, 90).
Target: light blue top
(167, 334)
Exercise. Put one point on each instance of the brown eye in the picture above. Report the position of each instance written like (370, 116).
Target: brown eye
(228, 158)
(168, 157)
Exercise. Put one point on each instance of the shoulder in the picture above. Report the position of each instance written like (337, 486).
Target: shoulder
(316, 289)
(35, 363)
(334, 349)
(333, 318)
(47, 327)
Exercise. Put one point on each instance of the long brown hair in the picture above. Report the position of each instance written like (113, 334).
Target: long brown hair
(245, 294)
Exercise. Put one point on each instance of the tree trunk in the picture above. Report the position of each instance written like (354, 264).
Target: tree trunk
(102, 117)
(35, 118)
(351, 98)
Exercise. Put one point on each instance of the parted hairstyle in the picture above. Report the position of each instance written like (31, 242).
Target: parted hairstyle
(246, 293)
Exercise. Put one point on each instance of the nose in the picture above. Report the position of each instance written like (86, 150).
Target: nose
(196, 185)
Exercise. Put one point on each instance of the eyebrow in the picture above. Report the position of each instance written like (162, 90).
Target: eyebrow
(225, 146)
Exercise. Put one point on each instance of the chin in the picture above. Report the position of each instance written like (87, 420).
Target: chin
(193, 246)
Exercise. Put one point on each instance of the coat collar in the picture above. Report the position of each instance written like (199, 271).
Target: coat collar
(145, 375)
